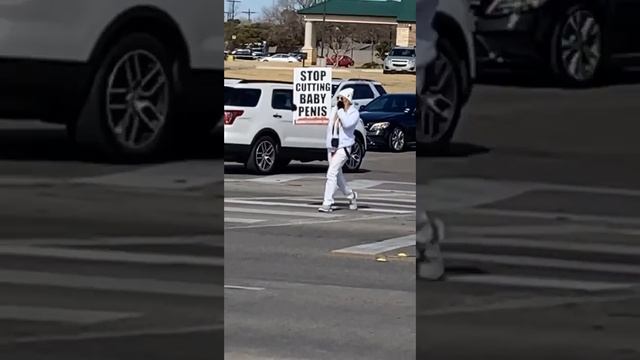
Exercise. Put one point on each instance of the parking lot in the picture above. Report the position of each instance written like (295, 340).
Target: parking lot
(103, 261)
(541, 197)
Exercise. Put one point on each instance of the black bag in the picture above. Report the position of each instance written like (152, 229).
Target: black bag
(335, 140)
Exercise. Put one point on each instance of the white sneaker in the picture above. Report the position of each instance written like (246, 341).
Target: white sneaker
(353, 201)
(325, 209)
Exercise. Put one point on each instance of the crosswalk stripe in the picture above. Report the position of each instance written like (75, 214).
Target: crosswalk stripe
(533, 282)
(84, 282)
(379, 247)
(363, 201)
(547, 245)
(72, 316)
(110, 255)
(277, 212)
(276, 203)
(549, 215)
(241, 220)
(538, 262)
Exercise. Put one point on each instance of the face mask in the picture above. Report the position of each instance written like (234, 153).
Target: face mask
(340, 105)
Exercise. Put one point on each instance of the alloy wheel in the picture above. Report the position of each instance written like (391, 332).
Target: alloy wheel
(137, 99)
(265, 156)
(442, 98)
(397, 139)
(356, 156)
(581, 45)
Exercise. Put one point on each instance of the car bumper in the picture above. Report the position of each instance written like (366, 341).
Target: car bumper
(397, 68)
(514, 40)
(236, 152)
(377, 139)
(33, 88)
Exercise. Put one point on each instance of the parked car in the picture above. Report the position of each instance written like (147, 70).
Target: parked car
(390, 121)
(400, 59)
(243, 54)
(343, 61)
(363, 90)
(125, 77)
(280, 58)
(575, 40)
(259, 130)
(455, 70)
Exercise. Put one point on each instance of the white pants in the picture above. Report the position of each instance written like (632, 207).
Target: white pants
(335, 177)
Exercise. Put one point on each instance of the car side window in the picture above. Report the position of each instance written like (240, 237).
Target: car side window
(362, 91)
(380, 89)
(282, 99)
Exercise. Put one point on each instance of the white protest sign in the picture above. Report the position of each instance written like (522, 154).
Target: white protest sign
(311, 95)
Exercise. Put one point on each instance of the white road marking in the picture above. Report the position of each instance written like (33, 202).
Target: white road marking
(111, 256)
(72, 316)
(539, 229)
(241, 220)
(275, 203)
(106, 241)
(538, 262)
(379, 247)
(30, 181)
(364, 201)
(312, 222)
(633, 221)
(172, 176)
(533, 282)
(116, 334)
(278, 212)
(250, 288)
(82, 282)
(276, 179)
(600, 248)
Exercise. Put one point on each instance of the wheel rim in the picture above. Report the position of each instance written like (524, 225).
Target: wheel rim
(265, 155)
(442, 99)
(356, 156)
(137, 99)
(581, 45)
(397, 139)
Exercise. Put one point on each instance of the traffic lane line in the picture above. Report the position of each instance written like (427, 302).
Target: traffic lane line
(59, 315)
(102, 283)
(278, 212)
(378, 247)
(106, 241)
(633, 221)
(540, 282)
(242, 220)
(110, 256)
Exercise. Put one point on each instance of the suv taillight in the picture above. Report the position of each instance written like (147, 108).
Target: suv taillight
(231, 115)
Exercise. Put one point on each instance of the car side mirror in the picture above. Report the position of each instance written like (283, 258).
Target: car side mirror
(361, 108)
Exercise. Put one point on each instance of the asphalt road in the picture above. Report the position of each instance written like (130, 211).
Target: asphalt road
(307, 285)
(541, 196)
(107, 262)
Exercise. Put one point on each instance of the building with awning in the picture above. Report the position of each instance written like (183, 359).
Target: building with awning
(399, 13)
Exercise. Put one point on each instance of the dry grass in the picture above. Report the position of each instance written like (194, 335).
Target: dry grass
(252, 70)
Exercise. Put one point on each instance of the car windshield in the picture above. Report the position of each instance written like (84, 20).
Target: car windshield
(403, 52)
(392, 103)
(245, 97)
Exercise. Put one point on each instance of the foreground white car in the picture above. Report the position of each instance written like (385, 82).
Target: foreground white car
(125, 76)
(259, 130)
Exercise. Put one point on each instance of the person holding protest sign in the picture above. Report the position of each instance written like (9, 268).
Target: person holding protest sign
(429, 231)
(340, 137)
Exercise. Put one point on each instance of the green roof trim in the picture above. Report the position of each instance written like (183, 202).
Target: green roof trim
(402, 10)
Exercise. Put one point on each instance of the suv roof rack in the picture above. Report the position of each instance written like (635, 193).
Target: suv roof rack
(245, 81)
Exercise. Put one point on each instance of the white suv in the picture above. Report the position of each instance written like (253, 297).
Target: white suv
(364, 91)
(125, 76)
(259, 130)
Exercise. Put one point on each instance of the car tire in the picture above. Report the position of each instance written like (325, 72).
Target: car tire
(357, 156)
(130, 110)
(568, 61)
(447, 94)
(397, 140)
(264, 156)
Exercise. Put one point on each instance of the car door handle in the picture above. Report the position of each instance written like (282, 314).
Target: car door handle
(277, 116)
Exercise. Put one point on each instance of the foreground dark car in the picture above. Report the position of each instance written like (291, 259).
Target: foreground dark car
(390, 121)
(575, 40)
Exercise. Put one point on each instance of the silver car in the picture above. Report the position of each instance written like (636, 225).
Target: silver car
(401, 59)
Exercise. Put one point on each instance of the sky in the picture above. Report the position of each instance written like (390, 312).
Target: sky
(245, 5)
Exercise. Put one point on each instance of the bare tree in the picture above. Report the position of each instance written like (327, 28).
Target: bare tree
(274, 13)
(340, 41)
